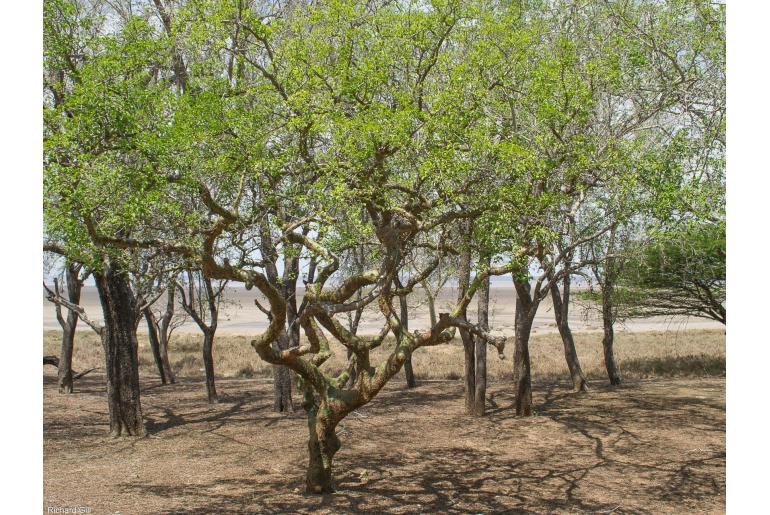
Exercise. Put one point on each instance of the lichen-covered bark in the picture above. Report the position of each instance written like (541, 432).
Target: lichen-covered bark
(323, 444)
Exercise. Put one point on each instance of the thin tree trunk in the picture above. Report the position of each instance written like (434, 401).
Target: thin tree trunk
(608, 320)
(152, 331)
(561, 312)
(282, 400)
(608, 311)
(208, 364)
(74, 286)
(65, 363)
(431, 306)
(194, 306)
(282, 381)
(163, 347)
(120, 351)
(408, 371)
(480, 392)
(463, 281)
(165, 331)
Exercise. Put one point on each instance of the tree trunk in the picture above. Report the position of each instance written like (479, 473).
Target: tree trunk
(282, 401)
(608, 312)
(521, 364)
(408, 371)
(463, 281)
(608, 340)
(120, 351)
(561, 312)
(152, 331)
(431, 307)
(470, 370)
(163, 347)
(69, 324)
(208, 364)
(479, 404)
(322, 445)
(67, 347)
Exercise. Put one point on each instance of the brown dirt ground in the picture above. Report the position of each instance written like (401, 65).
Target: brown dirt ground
(649, 446)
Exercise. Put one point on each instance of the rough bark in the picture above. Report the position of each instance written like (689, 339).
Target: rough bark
(561, 313)
(480, 393)
(322, 445)
(527, 303)
(522, 378)
(120, 351)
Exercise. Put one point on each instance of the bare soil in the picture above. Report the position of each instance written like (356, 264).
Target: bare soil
(649, 446)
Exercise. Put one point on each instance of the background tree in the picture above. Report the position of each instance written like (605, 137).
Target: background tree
(73, 276)
(118, 336)
(202, 302)
(95, 138)
(160, 326)
(681, 272)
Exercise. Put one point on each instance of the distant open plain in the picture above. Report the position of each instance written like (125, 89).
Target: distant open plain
(241, 316)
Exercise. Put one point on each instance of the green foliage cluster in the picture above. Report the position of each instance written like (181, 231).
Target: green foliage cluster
(682, 271)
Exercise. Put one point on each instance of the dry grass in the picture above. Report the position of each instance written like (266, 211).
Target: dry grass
(639, 355)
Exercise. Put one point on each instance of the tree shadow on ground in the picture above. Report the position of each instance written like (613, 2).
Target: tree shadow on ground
(607, 452)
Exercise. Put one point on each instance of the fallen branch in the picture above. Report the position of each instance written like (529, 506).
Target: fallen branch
(54, 360)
